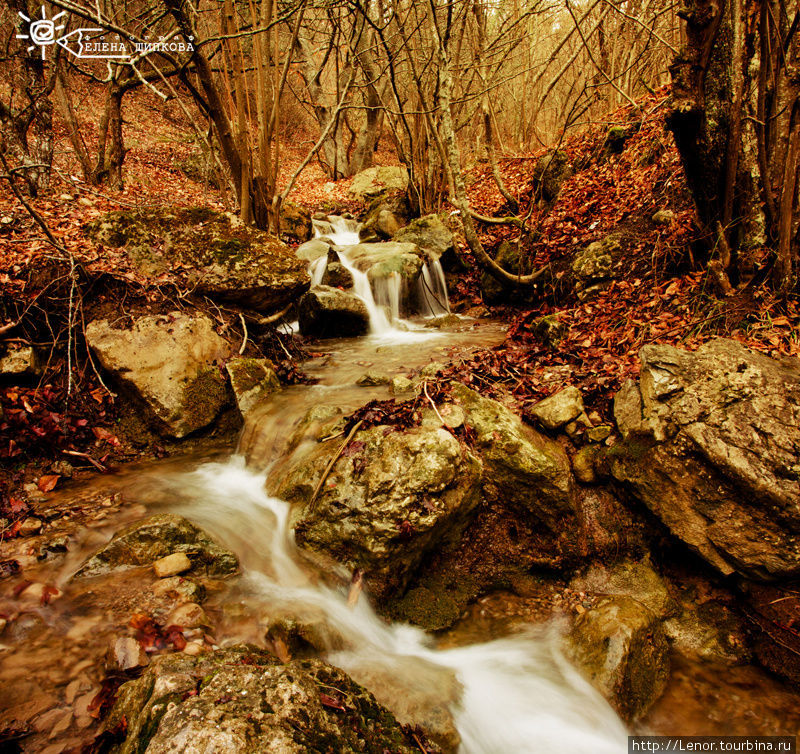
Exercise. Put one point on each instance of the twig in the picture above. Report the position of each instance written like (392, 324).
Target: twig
(419, 743)
(425, 390)
(333, 461)
(99, 466)
(244, 327)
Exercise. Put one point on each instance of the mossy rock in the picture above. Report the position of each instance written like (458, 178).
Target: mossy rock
(430, 234)
(241, 699)
(144, 542)
(252, 381)
(224, 259)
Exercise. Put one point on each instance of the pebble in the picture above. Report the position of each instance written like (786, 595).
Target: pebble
(172, 565)
(193, 648)
(30, 526)
(188, 615)
(36, 591)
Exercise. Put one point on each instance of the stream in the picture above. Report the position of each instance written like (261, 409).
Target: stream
(511, 694)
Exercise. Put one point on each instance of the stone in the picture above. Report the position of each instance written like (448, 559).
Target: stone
(179, 588)
(372, 379)
(709, 631)
(30, 526)
(252, 381)
(240, 699)
(188, 615)
(599, 433)
(312, 250)
(401, 384)
(629, 578)
(327, 312)
(295, 221)
(521, 466)
(548, 329)
(144, 542)
(387, 501)
(172, 565)
(373, 182)
(169, 363)
(664, 217)
(337, 275)
(595, 266)
(444, 321)
(384, 217)
(41, 593)
(583, 465)
(559, 409)
(226, 260)
(552, 170)
(430, 234)
(380, 260)
(129, 654)
(429, 371)
(20, 361)
(507, 256)
(620, 646)
(710, 447)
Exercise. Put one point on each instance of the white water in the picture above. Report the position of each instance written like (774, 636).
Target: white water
(384, 297)
(508, 696)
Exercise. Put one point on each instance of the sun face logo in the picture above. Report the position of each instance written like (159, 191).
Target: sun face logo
(42, 31)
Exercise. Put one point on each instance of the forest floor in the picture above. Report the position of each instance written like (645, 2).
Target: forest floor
(663, 295)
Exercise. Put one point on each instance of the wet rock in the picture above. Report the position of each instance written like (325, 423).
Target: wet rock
(708, 631)
(168, 363)
(295, 221)
(401, 384)
(20, 361)
(710, 448)
(621, 647)
(313, 249)
(430, 234)
(337, 275)
(521, 466)
(252, 381)
(387, 500)
(172, 565)
(296, 638)
(373, 182)
(127, 653)
(599, 433)
(372, 379)
(381, 260)
(228, 261)
(179, 588)
(559, 409)
(144, 542)
(629, 578)
(594, 267)
(327, 312)
(41, 593)
(30, 526)
(188, 615)
(240, 700)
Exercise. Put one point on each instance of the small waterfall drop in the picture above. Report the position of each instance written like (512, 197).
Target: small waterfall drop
(387, 297)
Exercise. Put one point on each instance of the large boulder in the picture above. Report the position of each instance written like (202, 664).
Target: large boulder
(144, 542)
(313, 249)
(430, 234)
(372, 182)
(170, 363)
(252, 381)
(385, 216)
(295, 221)
(620, 646)
(389, 498)
(327, 312)
(521, 466)
(711, 448)
(596, 266)
(552, 170)
(220, 257)
(241, 699)
(380, 260)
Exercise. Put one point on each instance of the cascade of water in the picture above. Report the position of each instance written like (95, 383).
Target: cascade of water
(432, 290)
(512, 695)
(378, 320)
(389, 292)
(317, 270)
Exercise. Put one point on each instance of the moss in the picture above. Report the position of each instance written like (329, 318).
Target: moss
(202, 395)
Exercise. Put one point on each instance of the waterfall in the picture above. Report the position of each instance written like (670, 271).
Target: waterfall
(386, 297)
